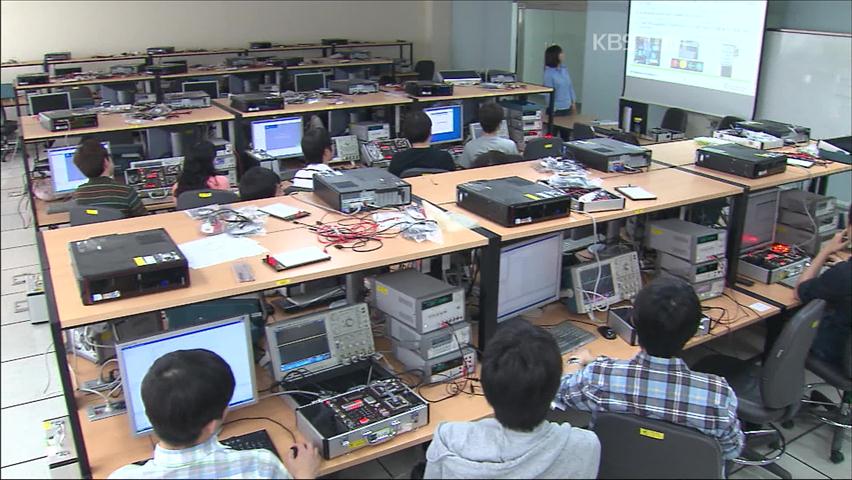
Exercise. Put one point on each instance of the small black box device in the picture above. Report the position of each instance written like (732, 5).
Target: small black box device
(513, 201)
(784, 131)
(426, 88)
(741, 160)
(334, 41)
(291, 61)
(166, 68)
(57, 56)
(127, 265)
(33, 79)
(500, 76)
(362, 189)
(160, 50)
(257, 102)
(608, 155)
(240, 61)
(260, 44)
(353, 85)
(61, 120)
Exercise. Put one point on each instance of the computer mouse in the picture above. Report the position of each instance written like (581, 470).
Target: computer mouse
(607, 333)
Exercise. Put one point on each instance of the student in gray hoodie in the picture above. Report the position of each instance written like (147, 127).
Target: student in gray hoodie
(521, 369)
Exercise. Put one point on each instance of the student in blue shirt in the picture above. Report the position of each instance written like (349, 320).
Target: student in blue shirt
(556, 76)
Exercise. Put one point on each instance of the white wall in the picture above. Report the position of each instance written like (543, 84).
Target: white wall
(32, 28)
(482, 34)
(603, 70)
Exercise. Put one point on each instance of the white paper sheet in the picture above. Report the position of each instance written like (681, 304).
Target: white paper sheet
(218, 249)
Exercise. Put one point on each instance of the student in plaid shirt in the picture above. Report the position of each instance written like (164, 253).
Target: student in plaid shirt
(656, 383)
(186, 394)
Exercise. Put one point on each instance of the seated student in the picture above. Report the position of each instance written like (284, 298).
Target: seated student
(417, 128)
(490, 117)
(198, 172)
(102, 190)
(835, 287)
(656, 383)
(259, 182)
(316, 148)
(521, 368)
(185, 394)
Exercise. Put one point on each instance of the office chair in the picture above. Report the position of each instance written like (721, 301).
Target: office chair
(425, 69)
(626, 137)
(81, 97)
(728, 122)
(416, 172)
(201, 198)
(86, 214)
(674, 119)
(770, 392)
(839, 415)
(494, 157)
(8, 127)
(581, 131)
(543, 147)
(636, 447)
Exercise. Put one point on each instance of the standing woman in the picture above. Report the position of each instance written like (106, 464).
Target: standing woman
(198, 171)
(556, 76)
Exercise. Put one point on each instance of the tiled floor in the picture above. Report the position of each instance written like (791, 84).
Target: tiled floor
(26, 398)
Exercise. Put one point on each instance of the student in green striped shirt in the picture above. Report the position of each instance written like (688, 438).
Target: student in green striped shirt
(102, 190)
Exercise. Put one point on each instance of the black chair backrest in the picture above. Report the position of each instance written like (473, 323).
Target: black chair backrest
(416, 172)
(626, 137)
(543, 147)
(425, 69)
(581, 131)
(674, 119)
(86, 214)
(636, 447)
(494, 157)
(202, 198)
(728, 122)
(783, 374)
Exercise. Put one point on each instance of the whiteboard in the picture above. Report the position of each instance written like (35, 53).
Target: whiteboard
(806, 79)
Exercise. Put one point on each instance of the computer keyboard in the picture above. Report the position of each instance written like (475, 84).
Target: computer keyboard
(249, 441)
(570, 337)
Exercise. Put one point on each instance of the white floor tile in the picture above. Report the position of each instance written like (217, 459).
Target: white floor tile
(24, 380)
(399, 464)
(33, 469)
(18, 238)
(22, 435)
(814, 448)
(13, 182)
(7, 309)
(9, 206)
(14, 221)
(8, 277)
(19, 257)
(796, 468)
(24, 340)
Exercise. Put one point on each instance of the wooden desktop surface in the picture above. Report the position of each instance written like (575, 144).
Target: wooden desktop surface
(475, 91)
(379, 99)
(440, 188)
(44, 219)
(782, 294)
(110, 444)
(334, 63)
(567, 121)
(219, 70)
(33, 131)
(673, 188)
(218, 281)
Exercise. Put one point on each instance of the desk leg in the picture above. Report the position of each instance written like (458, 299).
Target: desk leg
(551, 105)
(354, 287)
(489, 286)
(736, 221)
(397, 110)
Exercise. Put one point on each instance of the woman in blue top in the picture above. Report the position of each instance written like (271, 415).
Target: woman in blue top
(556, 76)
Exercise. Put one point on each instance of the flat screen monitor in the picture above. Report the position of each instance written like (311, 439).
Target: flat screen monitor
(446, 123)
(230, 339)
(476, 130)
(281, 137)
(308, 82)
(66, 177)
(45, 102)
(530, 275)
(211, 87)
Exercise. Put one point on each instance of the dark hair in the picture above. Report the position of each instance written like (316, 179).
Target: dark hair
(89, 158)
(490, 116)
(197, 167)
(183, 391)
(417, 126)
(666, 313)
(314, 143)
(257, 183)
(521, 371)
(551, 56)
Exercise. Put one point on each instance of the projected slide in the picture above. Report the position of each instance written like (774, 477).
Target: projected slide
(714, 45)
